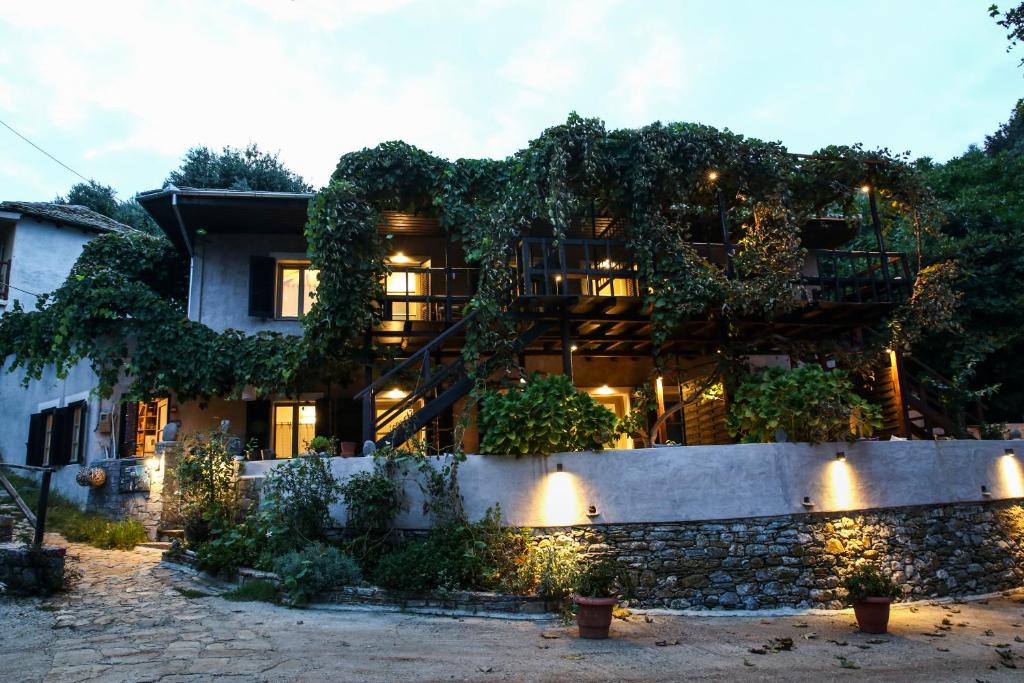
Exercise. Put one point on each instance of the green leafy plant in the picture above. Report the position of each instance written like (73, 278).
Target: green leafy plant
(558, 562)
(322, 444)
(809, 403)
(253, 542)
(257, 590)
(314, 569)
(866, 581)
(545, 415)
(600, 578)
(300, 493)
(206, 478)
(372, 500)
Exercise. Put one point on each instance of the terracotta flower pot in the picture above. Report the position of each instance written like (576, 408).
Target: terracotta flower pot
(872, 614)
(594, 616)
(347, 449)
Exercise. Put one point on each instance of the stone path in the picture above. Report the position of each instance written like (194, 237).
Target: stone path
(132, 619)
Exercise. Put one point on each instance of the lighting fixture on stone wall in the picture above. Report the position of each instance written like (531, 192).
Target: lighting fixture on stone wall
(807, 502)
(1009, 451)
(592, 511)
(841, 456)
(558, 467)
(985, 491)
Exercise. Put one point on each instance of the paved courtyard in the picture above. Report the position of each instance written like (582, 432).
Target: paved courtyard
(129, 618)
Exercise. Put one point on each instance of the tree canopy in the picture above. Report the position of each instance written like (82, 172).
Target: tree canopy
(103, 200)
(236, 169)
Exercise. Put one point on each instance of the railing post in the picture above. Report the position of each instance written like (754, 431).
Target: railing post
(44, 499)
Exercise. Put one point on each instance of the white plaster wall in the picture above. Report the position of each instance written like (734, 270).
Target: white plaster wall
(42, 256)
(718, 482)
(219, 297)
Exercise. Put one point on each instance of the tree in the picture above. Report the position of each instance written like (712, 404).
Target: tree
(1013, 21)
(236, 169)
(103, 200)
(1010, 135)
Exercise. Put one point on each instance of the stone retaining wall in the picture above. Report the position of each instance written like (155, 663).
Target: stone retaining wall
(145, 506)
(31, 571)
(800, 560)
(465, 601)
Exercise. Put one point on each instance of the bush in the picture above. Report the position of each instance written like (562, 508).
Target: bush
(447, 559)
(300, 492)
(206, 478)
(314, 569)
(259, 590)
(867, 582)
(545, 415)
(809, 403)
(557, 562)
(372, 500)
(600, 579)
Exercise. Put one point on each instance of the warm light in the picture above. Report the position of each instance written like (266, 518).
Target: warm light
(605, 265)
(522, 380)
(1009, 451)
(307, 415)
(399, 257)
(572, 348)
(395, 393)
(712, 176)
(865, 188)
(560, 503)
(1010, 476)
(558, 278)
(840, 486)
(604, 390)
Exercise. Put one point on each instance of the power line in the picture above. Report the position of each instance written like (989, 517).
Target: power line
(8, 127)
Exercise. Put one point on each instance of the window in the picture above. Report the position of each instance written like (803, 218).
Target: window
(294, 428)
(48, 441)
(296, 283)
(408, 278)
(77, 419)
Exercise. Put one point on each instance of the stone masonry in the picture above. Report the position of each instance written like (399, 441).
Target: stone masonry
(145, 506)
(800, 560)
(30, 570)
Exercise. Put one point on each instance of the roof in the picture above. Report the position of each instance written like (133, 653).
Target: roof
(66, 214)
(182, 212)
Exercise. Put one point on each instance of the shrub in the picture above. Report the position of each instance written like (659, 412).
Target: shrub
(545, 415)
(372, 500)
(251, 543)
(314, 569)
(557, 562)
(300, 492)
(809, 403)
(600, 579)
(206, 478)
(447, 559)
(322, 444)
(259, 590)
(867, 582)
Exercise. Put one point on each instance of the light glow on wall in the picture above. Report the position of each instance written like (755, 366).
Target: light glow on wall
(395, 394)
(604, 390)
(560, 503)
(399, 257)
(1010, 476)
(841, 482)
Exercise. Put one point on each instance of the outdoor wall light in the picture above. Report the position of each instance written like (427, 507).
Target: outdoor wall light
(573, 348)
(712, 176)
(985, 491)
(1009, 451)
(592, 511)
(806, 502)
(865, 188)
(558, 467)
(841, 456)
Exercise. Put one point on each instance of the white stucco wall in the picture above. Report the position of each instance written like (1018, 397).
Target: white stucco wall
(219, 296)
(42, 255)
(719, 482)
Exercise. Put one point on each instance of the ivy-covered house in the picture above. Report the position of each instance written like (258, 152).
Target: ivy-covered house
(652, 267)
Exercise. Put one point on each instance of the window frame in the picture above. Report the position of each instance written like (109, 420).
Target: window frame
(49, 421)
(295, 406)
(79, 411)
(303, 267)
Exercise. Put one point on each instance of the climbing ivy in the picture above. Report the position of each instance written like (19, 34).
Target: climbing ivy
(122, 306)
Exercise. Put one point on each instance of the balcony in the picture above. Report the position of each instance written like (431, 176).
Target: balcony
(419, 292)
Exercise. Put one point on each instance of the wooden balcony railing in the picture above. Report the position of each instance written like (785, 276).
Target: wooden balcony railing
(424, 293)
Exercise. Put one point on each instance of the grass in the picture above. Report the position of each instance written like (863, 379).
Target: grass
(258, 590)
(77, 526)
(191, 593)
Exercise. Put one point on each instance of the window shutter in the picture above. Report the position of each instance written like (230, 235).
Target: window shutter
(36, 438)
(129, 424)
(324, 418)
(257, 423)
(262, 272)
(60, 444)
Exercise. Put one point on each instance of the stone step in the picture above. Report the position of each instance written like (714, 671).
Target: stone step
(170, 534)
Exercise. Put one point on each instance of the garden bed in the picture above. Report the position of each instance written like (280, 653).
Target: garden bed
(469, 602)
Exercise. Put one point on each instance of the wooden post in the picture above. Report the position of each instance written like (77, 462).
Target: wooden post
(44, 499)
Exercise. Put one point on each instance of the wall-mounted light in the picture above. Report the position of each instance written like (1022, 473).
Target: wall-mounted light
(841, 456)
(592, 511)
(604, 390)
(985, 491)
(573, 348)
(1009, 451)
(396, 393)
(806, 502)
(399, 257)
(865, 188)
(712, 176)
(558, 467)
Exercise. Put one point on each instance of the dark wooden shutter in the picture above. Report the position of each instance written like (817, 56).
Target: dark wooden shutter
(348, 420)
(262, 272)
(129, 425)
(324, 418)
(36, 439)
(257, 423)
(60, 437)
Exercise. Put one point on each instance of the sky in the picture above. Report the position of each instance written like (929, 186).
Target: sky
(119, 91)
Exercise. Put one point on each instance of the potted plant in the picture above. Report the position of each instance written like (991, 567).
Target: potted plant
(321, 445)
(597, 593)
(871, 594)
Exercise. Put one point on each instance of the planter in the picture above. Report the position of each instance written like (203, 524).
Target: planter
(872, 614)
(594, 616)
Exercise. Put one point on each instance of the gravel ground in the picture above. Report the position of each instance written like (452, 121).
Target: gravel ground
(130, 618)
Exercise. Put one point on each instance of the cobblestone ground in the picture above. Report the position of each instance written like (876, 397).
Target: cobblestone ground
(129, 618)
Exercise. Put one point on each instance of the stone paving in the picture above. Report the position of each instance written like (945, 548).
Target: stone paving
(129, 618)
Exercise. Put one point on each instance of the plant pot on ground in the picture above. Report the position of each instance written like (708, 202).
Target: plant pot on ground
(597, 593)
(871, 595)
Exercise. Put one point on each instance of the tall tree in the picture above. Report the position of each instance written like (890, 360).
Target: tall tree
(236, 169)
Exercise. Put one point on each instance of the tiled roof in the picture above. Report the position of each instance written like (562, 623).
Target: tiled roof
(66, 214)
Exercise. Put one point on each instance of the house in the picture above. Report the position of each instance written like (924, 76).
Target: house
(578, 305)
(55, 421)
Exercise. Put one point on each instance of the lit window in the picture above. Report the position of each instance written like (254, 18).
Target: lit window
(296, 283)
(294, 428)
(407, 278)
